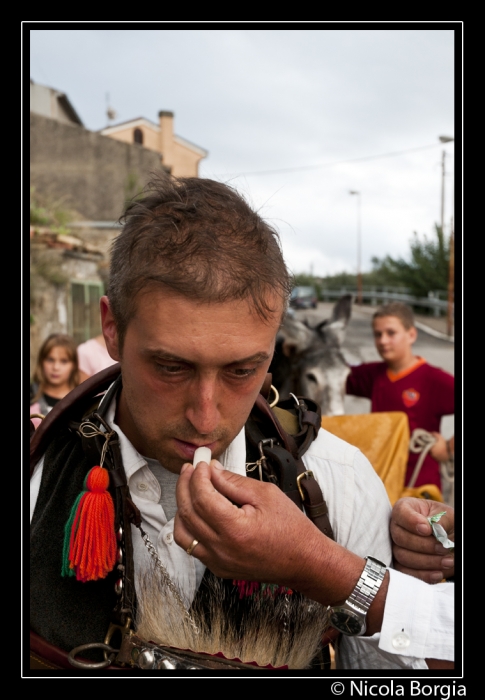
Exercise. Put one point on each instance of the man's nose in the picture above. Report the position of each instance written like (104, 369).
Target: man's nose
(203, 409)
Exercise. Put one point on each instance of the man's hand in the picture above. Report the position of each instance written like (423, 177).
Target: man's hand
(249, 530)
(415, 549)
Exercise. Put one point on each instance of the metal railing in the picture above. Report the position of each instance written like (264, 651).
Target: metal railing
(375, 298)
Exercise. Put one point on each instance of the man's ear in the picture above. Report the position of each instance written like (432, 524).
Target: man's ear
(110, 331)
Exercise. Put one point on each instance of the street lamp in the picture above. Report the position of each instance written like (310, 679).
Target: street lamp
(359, 274)
(451, 270)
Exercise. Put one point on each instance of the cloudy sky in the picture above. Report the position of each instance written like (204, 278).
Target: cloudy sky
(294, 117)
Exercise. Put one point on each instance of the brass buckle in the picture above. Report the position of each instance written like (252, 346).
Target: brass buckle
(123, 630)
(309, 475)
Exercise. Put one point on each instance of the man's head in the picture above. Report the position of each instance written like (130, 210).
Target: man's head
(200, 239)
(196, 296)
(394, 334)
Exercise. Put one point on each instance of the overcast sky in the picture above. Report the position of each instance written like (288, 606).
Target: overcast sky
(319, 107)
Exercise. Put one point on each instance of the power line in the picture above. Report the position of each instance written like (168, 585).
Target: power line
(329, 165)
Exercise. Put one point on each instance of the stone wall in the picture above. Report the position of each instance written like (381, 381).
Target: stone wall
(52, 272)
(91, 174)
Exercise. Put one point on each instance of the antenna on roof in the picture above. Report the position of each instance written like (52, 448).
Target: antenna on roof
(110, 113)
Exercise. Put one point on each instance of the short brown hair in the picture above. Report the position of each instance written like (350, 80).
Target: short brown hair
(198, 238)
(401, 311)
(55, 340)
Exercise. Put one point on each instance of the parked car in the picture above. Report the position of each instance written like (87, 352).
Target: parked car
(304, 298)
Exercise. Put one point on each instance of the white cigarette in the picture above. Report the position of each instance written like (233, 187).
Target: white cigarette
(202, 454)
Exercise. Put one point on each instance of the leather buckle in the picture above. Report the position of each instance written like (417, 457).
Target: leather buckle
(309, 475)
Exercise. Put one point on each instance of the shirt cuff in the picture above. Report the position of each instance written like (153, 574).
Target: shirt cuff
(418, 618)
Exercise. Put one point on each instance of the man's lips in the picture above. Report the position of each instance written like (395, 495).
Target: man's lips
(187, 449)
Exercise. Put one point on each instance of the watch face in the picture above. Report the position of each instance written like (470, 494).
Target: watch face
(346, 622)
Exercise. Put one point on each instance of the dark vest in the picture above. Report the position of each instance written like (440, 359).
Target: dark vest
(82, 611)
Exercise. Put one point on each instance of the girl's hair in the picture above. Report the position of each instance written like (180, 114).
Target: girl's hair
(53, 341)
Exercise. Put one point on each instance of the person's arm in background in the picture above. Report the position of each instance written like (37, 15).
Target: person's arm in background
(443, 390)
(443, 450)
(360, 380)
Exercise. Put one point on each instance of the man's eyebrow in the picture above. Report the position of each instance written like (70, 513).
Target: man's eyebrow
(257, 357)
(163, 355)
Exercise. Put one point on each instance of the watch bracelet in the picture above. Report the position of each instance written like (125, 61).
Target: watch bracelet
(368, 583)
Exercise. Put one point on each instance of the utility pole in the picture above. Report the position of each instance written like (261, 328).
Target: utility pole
(443, 173)
(451, 284)
(359, 237)
(443, 139)
(451, 269)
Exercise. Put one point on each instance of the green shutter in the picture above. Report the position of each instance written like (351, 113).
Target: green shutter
(85, 316)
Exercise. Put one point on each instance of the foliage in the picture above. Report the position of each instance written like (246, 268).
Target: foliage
(132, 187)
(339, 281)
(427, 270)
(302, 279)
(46, 266)
(51, 214)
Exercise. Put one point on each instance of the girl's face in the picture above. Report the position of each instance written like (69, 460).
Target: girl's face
(58, 367)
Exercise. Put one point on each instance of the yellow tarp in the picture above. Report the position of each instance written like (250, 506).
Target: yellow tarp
(383, 438)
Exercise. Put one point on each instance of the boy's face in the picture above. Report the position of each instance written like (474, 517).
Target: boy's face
(393, 341)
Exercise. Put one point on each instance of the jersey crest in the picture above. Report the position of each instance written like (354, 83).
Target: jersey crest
(410, 397)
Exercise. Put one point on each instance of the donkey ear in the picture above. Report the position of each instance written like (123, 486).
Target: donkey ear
(296, 336)
(336, 330)
(342, 310)
(321, 326)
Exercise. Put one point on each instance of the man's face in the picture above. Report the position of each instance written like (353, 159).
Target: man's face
(191, 373)
(393, 341)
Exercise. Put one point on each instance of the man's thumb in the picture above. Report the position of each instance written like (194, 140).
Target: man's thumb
(236, 488)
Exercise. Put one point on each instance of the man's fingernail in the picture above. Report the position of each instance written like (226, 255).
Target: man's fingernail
(447, 562)
(423, 529)
(185, 467)
(436, 576)
(217, 464)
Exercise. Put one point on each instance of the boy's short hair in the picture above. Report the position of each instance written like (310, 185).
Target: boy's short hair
(398, 309)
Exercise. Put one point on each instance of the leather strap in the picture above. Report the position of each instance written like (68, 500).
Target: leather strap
(264, 424)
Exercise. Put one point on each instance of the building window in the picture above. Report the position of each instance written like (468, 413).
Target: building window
(138, 136)
(85, 317)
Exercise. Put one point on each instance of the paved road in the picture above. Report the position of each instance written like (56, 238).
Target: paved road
(359, 347)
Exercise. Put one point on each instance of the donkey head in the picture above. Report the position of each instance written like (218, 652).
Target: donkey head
(308, 360)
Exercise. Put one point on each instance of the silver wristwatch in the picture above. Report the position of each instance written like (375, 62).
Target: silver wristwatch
(349, 618)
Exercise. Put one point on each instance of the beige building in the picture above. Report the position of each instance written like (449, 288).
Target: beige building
(178, 155)
(53, 104)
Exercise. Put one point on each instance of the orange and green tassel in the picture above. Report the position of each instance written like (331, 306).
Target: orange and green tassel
(89, 551)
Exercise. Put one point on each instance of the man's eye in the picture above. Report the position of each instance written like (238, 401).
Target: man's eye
(240, 372)
(170, 369)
